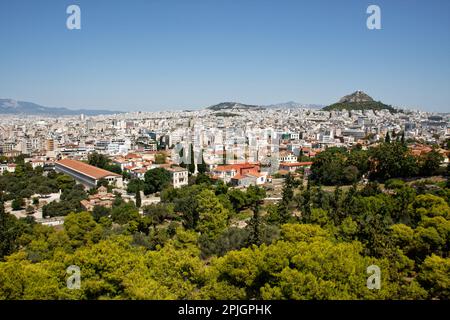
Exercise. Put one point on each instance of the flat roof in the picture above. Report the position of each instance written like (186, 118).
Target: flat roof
(86, 169)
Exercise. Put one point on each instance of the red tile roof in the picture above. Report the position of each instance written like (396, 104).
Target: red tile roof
(86, 169)
(295, 164)
(236, 167)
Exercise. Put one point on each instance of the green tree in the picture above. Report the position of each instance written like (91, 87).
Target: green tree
(36, 201)
(435, 277)
(102, 183)
(430, 163)
(237, 198)
(134, 185)
(155, 180)
(138, 198)
(392, 160)
(191, 165)
(125, 213)
(336, 166)
(254, 195)
(255, 236)
(98, 160)
(201, 167)
(212, 215)
(285, 207)
(100, 211)
(158, 212)
(23, 280)
(65, 182)
(82, 229)
(203, 178)
(17, 203)
(10, 230)
(185, 203)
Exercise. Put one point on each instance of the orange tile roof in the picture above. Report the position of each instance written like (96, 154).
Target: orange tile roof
(295, 164)
(237, 166)
(86, 169)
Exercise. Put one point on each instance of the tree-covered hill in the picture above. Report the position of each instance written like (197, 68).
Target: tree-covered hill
(358, 101)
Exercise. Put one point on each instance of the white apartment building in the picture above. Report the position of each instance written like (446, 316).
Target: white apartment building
(179, 176)
(287, 157)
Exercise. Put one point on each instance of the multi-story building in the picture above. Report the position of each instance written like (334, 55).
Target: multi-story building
(179, 176)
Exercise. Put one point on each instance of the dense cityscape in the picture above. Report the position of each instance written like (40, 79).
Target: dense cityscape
(230, 183)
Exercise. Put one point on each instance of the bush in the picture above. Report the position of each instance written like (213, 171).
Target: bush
(394, 184)
(17, 204)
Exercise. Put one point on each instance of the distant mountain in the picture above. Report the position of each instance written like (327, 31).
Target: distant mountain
(293, 105)
(358, 100)
(14, 107)
(240, 106)
(233, 106)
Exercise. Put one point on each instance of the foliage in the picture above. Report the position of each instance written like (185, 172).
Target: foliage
(103, 162)
(192, 245)
(155, 180)
(125, 213)
(337, 166)
(160, 158)
(212, 215)
(134, 185)
(17, 203)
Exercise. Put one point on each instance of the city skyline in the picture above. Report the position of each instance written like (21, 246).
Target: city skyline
(155, 56)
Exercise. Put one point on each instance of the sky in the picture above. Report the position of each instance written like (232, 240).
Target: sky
(154, 55)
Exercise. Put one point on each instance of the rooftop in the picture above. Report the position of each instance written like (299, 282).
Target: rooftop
(295, 164)
(86, 169)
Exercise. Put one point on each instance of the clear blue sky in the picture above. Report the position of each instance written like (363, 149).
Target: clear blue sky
(161, 54)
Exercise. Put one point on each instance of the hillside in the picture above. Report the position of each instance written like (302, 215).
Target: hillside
(358, 101)
(233, 105)
(240, 106)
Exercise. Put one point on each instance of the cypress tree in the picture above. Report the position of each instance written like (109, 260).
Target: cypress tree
(191, 166)
(201, 167)
(288, 194)
(138, 197)
(255, 236)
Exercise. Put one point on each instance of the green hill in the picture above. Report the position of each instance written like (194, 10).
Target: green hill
(372, 105)
(358, 101)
